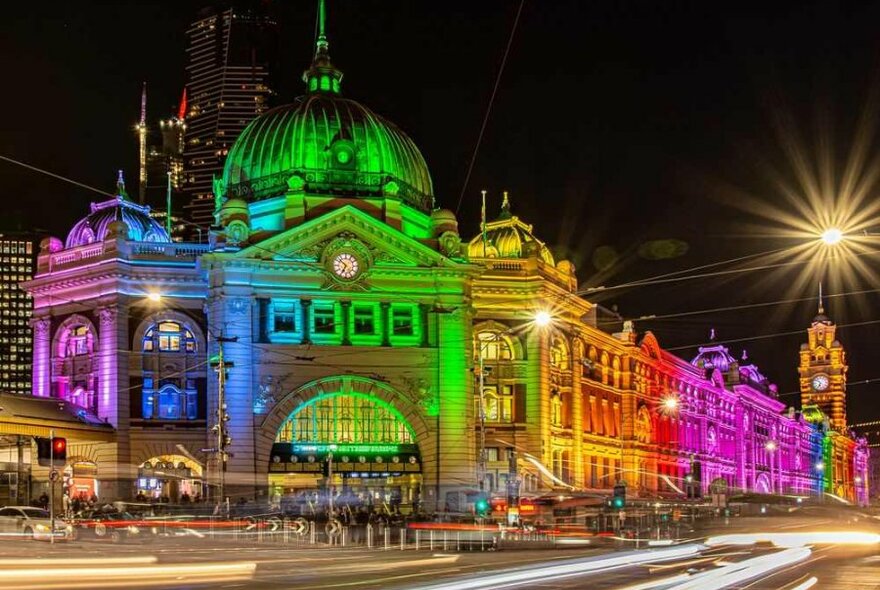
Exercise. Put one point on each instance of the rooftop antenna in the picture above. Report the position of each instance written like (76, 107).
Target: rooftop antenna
(483, 221)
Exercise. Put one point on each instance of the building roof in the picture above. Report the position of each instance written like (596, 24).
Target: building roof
(97, 225)
(30, 415)
(508, 237)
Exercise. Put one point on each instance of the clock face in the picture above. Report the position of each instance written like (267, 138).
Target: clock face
(346, 266)
(820, 382)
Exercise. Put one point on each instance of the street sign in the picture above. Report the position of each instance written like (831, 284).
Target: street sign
(53, 475)
(299, 526)
(333, 528)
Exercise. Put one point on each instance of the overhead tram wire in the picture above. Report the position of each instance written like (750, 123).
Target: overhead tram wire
(473, 160)
(53, 175)
(652, 317)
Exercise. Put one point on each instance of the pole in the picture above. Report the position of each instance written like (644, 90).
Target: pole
(223, 440)
(482, 459)
(168, 205)
(51, 487)
(330, 482)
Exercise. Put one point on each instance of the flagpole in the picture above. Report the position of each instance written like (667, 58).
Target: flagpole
(483, 221)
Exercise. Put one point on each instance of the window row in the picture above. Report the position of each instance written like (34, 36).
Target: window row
(290, 320)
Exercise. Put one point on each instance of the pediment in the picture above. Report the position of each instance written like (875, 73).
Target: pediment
(346, 227)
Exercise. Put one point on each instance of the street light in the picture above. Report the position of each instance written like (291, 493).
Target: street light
(154, 297)
(770, 446)
(820, 466)
(670, 403)
(543, 318)
(832, 236)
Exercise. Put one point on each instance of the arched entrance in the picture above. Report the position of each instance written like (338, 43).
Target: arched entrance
(347, 443)
(81, 479)
(171, 478)
(762, 484)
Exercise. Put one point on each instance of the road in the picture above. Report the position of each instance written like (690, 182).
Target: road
(195, 563)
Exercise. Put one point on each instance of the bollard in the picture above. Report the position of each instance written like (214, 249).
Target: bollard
(369, 536)
(444, 540)
(458, 541)
(403, 539)
(431, 539)
(344, 535)
(312, 533)
(418, 538)
(387, 537)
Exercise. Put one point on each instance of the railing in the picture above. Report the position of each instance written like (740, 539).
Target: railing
(182, 251)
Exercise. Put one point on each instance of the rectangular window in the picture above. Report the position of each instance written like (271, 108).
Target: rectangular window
(491, 453)
(364, 322)
(402, 321)
(285, 317)
(325, 322)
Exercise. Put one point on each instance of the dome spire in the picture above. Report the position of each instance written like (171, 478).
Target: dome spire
(505, 207)
(120, 186)
(821, 306)
(322, 76)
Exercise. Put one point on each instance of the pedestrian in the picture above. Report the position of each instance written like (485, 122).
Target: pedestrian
(44, 500)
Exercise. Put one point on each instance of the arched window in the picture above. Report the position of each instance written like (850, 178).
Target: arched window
(559, 354)
(493, 346)
(76, 340)
(168, 336)
(556, 409)
(490, 405)
(169, 402)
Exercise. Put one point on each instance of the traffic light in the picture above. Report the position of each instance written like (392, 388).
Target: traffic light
(481, 506)
(51, 452)
(618, 500)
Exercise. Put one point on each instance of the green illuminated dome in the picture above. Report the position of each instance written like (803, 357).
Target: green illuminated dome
(324, 143)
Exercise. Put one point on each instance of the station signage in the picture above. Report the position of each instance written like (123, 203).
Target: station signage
(348, 448)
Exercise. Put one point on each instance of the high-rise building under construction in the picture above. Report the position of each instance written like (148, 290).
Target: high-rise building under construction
(229, 49)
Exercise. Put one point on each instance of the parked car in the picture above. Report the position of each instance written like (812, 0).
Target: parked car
(31, 523)
(110, 525)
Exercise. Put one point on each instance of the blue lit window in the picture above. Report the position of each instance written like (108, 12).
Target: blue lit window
(169, 403)
(169, 337)
(284, 317)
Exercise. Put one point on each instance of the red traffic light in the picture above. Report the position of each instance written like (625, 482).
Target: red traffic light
(59, 446)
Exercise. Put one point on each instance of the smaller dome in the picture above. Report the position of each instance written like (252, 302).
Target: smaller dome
(96, 227)
(714, 357)
(443, 220)
(508, 237)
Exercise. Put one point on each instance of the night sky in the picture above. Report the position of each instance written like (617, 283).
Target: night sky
(616, 124)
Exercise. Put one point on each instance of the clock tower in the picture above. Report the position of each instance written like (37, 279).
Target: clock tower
(823, 369)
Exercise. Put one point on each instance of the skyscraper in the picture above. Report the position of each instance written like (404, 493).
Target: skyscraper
(228, 54)
(17, 256)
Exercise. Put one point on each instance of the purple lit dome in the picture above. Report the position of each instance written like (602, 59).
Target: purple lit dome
(714, 357)
(96, 227)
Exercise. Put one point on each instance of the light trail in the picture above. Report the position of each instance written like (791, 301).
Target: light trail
(743, 571)
(574, 568)
(809, 583)
(797, 539)
(66, 578)
(79, 561)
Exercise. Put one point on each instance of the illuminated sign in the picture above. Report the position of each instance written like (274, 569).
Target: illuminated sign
(348, 448)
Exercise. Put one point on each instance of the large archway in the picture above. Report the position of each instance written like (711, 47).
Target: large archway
(349, 438)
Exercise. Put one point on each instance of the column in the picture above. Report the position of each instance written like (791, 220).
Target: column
(306, 305)
(115, 470)
(42, 360)
(385, 312)
(577, 411)
(346, 322)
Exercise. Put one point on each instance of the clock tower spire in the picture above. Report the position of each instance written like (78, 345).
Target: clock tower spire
(823, 369)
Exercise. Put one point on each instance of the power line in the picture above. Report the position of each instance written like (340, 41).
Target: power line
(470, 169)
(53, 175)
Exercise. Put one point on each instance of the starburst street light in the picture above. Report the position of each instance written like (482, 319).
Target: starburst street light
(670, 403)
(154, 296)
(543, 318)
(832, 236)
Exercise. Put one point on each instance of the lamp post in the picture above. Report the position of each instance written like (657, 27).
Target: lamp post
(770, 447)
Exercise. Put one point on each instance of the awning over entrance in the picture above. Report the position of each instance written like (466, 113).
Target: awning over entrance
(25, 415)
